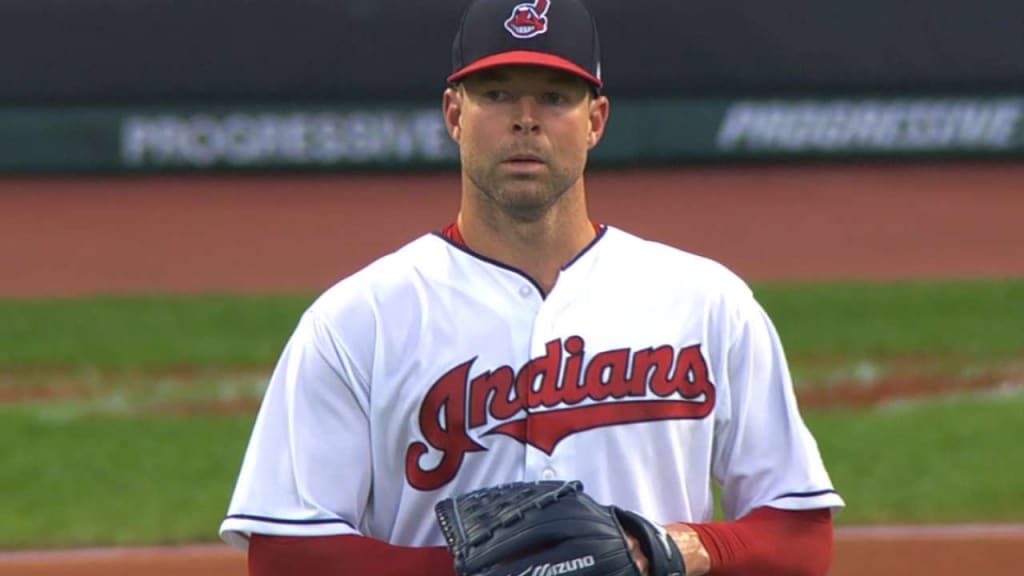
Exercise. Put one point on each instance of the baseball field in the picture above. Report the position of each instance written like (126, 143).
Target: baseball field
(140, 317)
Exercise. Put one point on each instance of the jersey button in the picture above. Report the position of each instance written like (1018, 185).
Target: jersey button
(524, 291)
(548, 474)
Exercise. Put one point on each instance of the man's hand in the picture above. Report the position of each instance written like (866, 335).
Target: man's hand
(695, 556)
(638, 554)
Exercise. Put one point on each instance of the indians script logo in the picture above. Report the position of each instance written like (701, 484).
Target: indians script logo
(528, 19)
(624, 387)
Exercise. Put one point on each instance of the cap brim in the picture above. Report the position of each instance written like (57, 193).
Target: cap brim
(527, 58)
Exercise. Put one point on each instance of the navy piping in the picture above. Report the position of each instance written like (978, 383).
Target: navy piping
(285, 521)
(586, 249)
(515, 270)
(492, 262)
(806, 494)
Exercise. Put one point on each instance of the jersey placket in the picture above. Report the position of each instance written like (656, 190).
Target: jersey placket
(538, 464)
(546, 341)
(531, 305)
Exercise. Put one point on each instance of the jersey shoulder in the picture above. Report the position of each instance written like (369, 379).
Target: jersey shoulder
(390, 278)
(672, 265)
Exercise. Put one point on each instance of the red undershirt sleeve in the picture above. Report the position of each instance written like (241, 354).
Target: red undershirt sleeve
(343, 556)
(767, 542)
(770, 542)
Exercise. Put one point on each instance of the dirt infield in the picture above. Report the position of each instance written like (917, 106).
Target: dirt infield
(64, 237)
(284, 233)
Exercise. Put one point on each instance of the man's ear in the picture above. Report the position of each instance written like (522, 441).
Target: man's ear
(599, 108)
(452, 103)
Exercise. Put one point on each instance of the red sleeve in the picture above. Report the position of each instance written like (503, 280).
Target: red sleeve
(343, 555)
(770, 542)
(767, 542)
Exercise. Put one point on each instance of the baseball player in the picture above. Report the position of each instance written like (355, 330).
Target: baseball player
(526, 342)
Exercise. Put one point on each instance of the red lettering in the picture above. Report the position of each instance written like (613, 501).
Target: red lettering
(451, 439)
(651, 367)
(547, 367)
(493, 389)
(572, 390)
(503, 393)
(606, 374)
(691, 376)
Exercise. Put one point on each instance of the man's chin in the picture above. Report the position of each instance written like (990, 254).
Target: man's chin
(526, 207)
(524, 197)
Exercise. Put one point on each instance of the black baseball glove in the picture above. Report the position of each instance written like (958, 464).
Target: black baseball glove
(548, 529)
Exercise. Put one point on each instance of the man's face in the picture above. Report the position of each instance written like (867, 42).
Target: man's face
(524, 133)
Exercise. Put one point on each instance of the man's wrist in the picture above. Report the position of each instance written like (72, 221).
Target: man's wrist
(695, 555)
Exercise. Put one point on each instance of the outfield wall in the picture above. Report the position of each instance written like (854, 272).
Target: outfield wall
(396, 136)
(189, 85)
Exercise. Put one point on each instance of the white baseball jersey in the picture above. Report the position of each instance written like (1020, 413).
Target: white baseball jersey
(645, 373)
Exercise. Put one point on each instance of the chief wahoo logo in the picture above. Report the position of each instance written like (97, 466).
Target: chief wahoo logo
(528, 19)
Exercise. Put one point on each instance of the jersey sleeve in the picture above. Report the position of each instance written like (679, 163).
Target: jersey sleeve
(306, 470)
(764, 455)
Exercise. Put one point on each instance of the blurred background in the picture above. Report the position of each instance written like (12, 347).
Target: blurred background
(179, 179)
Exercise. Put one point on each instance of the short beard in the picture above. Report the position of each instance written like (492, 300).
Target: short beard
(523, 211)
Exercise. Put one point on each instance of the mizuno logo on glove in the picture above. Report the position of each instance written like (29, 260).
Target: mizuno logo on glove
(567, 567)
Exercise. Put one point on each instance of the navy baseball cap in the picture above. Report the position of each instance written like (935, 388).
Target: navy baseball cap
(558, 34)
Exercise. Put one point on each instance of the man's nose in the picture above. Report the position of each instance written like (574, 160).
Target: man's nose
(526, 116)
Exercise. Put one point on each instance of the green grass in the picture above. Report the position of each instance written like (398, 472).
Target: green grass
(149, 332)
(941, 461)
(80, 478)
(966, 320)
(73, 479)
(972, 320)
